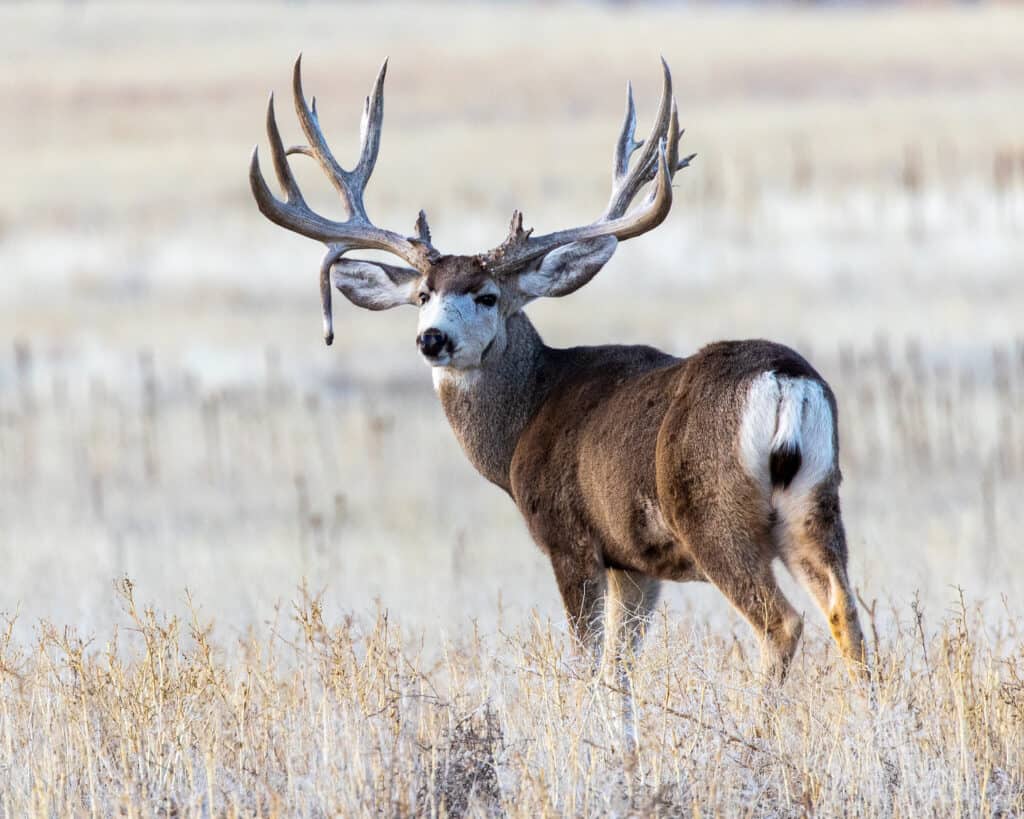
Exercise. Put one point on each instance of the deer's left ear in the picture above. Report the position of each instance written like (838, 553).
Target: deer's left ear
(566, 268)
(373, 285)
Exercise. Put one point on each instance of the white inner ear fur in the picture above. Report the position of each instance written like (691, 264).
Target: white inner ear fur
(567, 268)
(368, 285)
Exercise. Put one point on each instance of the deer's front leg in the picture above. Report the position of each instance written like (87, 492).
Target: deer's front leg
(583, 584)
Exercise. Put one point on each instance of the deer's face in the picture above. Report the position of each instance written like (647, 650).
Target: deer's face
(462, 314)
(463, 308)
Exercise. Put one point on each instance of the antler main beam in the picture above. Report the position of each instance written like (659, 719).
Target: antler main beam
(357, 231)
(658, 162)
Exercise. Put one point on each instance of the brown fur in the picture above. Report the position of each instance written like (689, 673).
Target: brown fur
(625, 459)
(457, 274)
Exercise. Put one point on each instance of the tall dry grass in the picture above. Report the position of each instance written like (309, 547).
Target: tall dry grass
(305, 716)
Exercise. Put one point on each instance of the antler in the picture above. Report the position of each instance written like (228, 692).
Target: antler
(658, 161)
(357, 231)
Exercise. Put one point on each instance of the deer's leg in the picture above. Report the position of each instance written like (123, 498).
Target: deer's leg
(583, 585)
(630, 599)
(813, 546)
(727, 527)
(750, 585)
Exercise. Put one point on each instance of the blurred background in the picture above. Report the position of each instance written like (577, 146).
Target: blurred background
(169, 411)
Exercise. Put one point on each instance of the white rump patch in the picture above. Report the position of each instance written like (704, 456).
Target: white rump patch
(779, 411)
(757, 429)
(816, 433)
(792, 395)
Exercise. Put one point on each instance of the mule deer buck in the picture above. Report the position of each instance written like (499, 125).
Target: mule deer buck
(630, 465)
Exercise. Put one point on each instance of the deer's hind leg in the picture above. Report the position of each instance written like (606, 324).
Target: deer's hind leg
(724, 516)
(812, 543)
(728, 531)
(751, 587)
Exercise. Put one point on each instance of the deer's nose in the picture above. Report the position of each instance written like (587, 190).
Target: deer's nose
(432, 342)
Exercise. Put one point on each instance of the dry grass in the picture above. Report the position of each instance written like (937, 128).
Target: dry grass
(307, 717)
(168, 413)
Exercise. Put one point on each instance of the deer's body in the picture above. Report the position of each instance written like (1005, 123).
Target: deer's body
(629, 465)
(630, 460)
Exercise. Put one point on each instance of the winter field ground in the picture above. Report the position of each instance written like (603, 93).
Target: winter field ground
(246, 574)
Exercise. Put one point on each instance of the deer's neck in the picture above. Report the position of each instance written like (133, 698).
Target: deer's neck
(488, 408)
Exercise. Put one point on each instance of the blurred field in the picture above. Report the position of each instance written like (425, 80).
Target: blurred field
(168, 411)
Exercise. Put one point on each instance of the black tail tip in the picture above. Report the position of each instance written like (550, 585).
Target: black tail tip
(784, 464)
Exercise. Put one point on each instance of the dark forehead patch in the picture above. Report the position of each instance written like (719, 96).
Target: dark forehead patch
(457, 274)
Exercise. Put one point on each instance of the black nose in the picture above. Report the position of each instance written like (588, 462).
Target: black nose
(432, 342)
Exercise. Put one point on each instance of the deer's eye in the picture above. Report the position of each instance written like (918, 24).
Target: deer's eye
(488, 300)
(424, 297)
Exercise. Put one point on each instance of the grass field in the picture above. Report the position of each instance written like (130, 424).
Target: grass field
(169, 414)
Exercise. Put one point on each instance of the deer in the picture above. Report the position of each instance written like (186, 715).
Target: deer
(630, 466)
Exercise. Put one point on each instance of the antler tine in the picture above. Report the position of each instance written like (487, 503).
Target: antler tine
(351, 198)
(422, 228)
(647, 217)
(672, 137)
(326, 310)
(280, 157)
(658, 161)
(370, 128)
(658, 205)
(626, 145)
(628, 184)
(293, 213)
(675, 134)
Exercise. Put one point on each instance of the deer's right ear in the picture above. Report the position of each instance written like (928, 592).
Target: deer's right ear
(373, 285)
(566, 268)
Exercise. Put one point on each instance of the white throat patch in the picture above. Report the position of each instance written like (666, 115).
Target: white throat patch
(459, 379)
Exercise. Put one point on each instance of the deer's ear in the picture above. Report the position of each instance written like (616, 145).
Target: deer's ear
(566, 268)
(373, 285)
